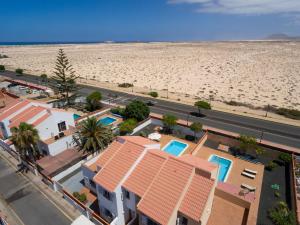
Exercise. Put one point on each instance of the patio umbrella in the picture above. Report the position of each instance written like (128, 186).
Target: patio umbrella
(154, 136)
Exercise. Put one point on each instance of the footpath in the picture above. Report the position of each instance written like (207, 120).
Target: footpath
(55, 198)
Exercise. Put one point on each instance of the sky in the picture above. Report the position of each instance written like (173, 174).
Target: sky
(146, 20)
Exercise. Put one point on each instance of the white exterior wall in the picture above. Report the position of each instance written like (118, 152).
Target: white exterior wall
(130, 203)
(88, 177)
(60, 145)
(49, 127)
(110, 205)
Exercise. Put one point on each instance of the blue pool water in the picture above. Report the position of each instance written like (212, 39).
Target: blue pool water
(105, 121)
(175, 147)
(224, 164)
(76, 116)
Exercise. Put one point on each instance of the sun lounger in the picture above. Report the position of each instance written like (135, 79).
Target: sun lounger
(250, 171)
(248, 175)
(250, 188)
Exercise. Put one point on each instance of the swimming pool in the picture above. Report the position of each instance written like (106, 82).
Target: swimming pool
(76, 116)
(225, 166)
(175, 148)
(105, 121)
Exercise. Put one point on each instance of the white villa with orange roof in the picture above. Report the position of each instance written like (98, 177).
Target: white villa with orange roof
(54, 125)
(136, 181)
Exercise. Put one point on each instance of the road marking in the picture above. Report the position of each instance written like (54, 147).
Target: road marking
(35, 186)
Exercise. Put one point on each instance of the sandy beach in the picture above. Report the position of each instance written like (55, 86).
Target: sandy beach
(256, 73)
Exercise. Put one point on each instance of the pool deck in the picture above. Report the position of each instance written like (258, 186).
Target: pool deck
(235, 178)
(165, 139)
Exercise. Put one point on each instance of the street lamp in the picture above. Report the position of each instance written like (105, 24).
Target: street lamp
(187, 119)
(261, 136)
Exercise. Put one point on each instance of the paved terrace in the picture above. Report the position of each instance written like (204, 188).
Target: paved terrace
(235, 178)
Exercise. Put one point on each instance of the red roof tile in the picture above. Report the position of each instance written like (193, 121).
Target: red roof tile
(27, 115)
(164, 194)
(196, 197)
(41, 119)
(143, 175)
(119, 164)
(13, 109)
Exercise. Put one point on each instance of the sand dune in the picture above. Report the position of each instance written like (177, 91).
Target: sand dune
(257, 73)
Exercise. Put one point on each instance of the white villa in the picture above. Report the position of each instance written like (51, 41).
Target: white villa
(136, 182)
(55, 126)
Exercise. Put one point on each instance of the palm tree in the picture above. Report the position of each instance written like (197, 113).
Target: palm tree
(25, 138)
(92, 136)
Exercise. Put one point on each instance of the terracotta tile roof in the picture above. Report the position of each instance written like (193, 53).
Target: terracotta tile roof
(27, 115)
(116, 168)
(198, 162)
(139, 140)
(21, 114)
(41, 119)
(165, 192)
(6, 101)
(13, 109)
(143, 175)
(196, 197)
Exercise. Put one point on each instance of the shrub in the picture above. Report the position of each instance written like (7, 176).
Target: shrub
(93, 101)
(189, 137)
(127, 126)
(3, 56)
(169, 121)
(153, 94)
(271, 165)
(143, 134)
(81, 197)
(44, 76)
(277, 194)
(196, 127)
(281, 214)
(247, 143)
(137, 110)
(289, 113)
(19, 71)
(125, 85)
(2, 67)
(118, 111)
(285, 157)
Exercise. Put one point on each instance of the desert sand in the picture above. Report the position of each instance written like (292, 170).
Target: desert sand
(256, 73)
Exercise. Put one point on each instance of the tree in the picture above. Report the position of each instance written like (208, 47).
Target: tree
(2, 67)
(259, 151)
(93, 101)
(169, 121)
(196, 127)
(137, 110)
(64, 78)
(247, 143)
(285, 157)
(202, 105)
(92, 136)
(282, 215)
(44, 77)
(25, 138)
(127, 126)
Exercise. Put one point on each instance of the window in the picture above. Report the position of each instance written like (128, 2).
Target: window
(93, 185)
(127, 194)
(151, 222)
(107, 213)
(184, 221)
(62, 126)
(106, 194)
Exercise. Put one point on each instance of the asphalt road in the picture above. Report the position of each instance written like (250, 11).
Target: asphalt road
(31, 206)
(272, 131)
